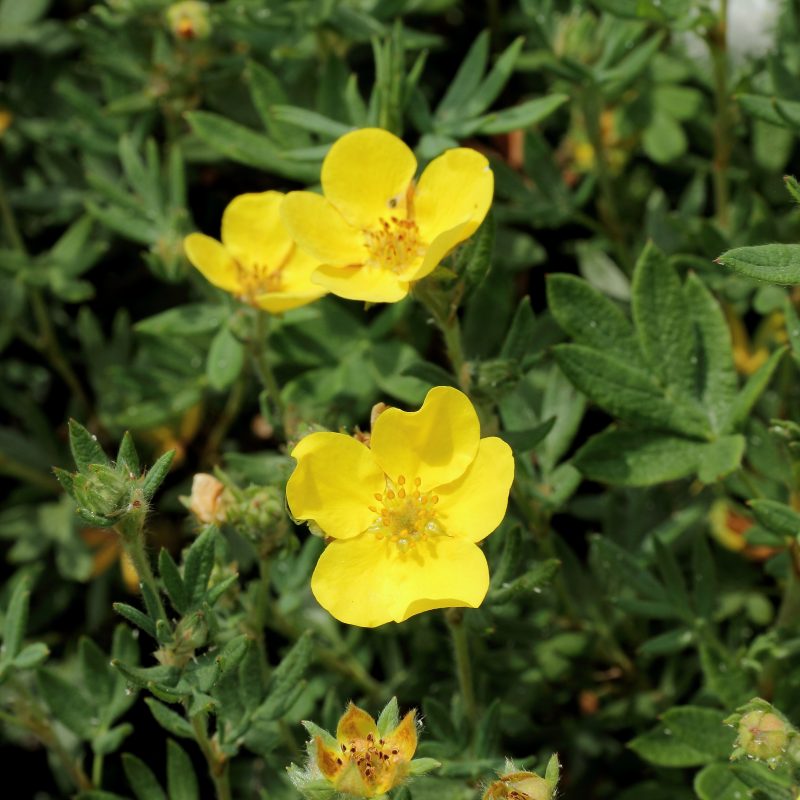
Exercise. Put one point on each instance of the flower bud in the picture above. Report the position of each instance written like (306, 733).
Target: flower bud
(365, 759)
(189, 20)
(517, 785)
(103, 491)
(207, 501)
(190, 633)
(763, 735)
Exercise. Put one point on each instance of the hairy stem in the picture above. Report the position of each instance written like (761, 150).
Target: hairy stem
(216, 760)
(463, 666)
(259, 347)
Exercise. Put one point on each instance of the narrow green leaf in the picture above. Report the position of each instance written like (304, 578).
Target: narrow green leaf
(68, 704)
(84, 447)
(285, 679)
(662, 324)
(136, 617)
(192, 319)
(96, 672)
(752, 390)
(169, 720)
(489, 90)
(141, 779)
(591, 319)
(181, 780)
(777, 517)
(16, 619)
(310, 121)
(156, 474)
(173, 582)
(389, 718)
(626, 392)
(518, 117)
(474, 259)
(198, 565)
(633, 458)
(467, 78)
(31, 656)
(127, 454)
(519, 339)
(225, 360)
(524, 441)
(773, 263)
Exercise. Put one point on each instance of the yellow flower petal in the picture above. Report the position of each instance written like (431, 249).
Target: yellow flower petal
(454, 189)
(442, 245)
(366, 175)
(404, 737)
(369, 582)
(253, 232)
(475, 504)
(368, 284)
(213, 260)
(327, 758)
(355, 723)
(278, 302)
(334, 484)
(320, 230)
(435, 444)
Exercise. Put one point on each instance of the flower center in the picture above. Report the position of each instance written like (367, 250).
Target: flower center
(258, 279)
(373, 758)
(394, 244)
(406, 516)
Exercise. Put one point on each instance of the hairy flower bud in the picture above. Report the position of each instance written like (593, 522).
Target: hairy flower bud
(763, 735)
(189, 20)
(516, 785)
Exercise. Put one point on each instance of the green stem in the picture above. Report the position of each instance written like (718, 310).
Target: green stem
(47, 342)
(789, 611)
(458, 633)
(217, 761)
(443, 311)
(97, 770)
(226, 418)
(264, 368)
(717, 40)
(36, 720)
(608, 207)
(133, 541)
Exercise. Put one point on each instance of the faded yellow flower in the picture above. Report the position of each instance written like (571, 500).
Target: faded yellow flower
(257, 260)
(404, 514)
(375, 231)
(206, 501)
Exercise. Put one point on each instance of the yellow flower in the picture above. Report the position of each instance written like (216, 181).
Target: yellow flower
(207, 501)
(519, 786)
(257, 260)
(404, 514)
(362, 762)
(189, 20)
(375, 231)
(106, 546)
(749, 355)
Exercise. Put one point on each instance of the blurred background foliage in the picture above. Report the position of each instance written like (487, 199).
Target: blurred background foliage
(637, 600)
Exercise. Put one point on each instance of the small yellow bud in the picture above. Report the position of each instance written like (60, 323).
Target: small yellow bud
(206, 501)
(188, 20)
(519, 786)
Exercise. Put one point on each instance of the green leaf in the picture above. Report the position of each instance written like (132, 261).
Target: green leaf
(752, 390)
(591, 319)
(718, 782)
(474, 259)
(107, 742)
(136, 617)
(141, 779)
(173, 582)
(248, 147)
(625, 391)
(467, 78)
(518, 117)
(193, 319)
(632, 458)
(776, 516)
(529, 582)
(310, 121)
(16, 619)
(284, 680)
(664, 139)
(84, 447)
(127, 455)
(156, 474)
(198, 565)
(519, 339)
(524, 441)
(169, 720)
(225, 360)
(688, 736)
(622, 74)
(31, 656)
(716, 381)
(96, 672)
(67, 704)
(489, 90)
(389, 718)
(421, 766)
(774, 263)
(181, 780)
(662, 324)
